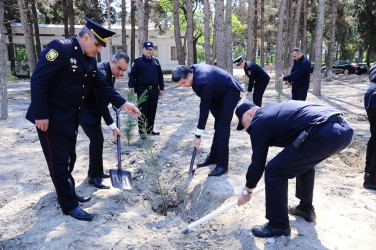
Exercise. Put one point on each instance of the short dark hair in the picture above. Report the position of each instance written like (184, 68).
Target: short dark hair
(297, 50)
(120, 55)
(180, 72)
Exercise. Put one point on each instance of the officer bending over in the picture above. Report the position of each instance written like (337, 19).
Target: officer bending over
(309, 133)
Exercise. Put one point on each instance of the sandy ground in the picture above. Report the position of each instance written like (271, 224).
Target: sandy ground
(30, 217)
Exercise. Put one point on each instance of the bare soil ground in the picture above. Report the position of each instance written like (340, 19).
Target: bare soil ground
(30, 217)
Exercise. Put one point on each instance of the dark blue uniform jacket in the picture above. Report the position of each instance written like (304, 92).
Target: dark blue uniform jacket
(146, 72)
(96, 106)
(211, 84)
(300, 73)
(255, 74)
(370, 96)
(58, 86)
(279, 125)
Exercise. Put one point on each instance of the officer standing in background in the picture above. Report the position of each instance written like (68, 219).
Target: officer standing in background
(299, 77)
(309, 133)
(258, 78)
(146, 74)
(370, 106)
(93, 109)
(219, 92)
(57, 85)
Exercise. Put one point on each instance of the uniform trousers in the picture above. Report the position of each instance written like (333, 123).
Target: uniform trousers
(95, 134)
(148, 108)
(299, 93)
(259, 90)
(371, 146)
(60, 154)
(223, 110)
(325, 140)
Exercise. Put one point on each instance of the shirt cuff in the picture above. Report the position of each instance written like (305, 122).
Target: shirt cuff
(112, 126)
(199, 131)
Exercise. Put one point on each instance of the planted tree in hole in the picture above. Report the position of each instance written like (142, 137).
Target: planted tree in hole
(130, 122)
(151, 161)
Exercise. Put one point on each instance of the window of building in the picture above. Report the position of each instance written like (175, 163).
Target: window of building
(174, 56)
(116, 49)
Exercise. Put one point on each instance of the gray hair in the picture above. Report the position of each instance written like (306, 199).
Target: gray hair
(297, 50)
(180, 72)
(120, 55)
(85, 30)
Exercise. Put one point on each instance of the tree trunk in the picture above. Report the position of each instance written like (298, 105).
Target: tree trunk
(250, 26)
(133, 30)
(190, 32)
(11, 49)
(108, 10)
(65, 18)
(71, 17)
(141, 28)
(207, 24)
(318, 48)
(146, 19)
(278, 56)
(30, 48)
(228, 26)
(254, 56)
(123, 23)
(3, 69)
(36, 27)
(177, 33)
(214, 45)
(287, 63)
(262, 35)
(332, 41)
(220, 37)
(303, 45)
(296, 24)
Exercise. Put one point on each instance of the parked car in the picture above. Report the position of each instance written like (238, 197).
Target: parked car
(322, 67)
(362, 68)
(346, 67)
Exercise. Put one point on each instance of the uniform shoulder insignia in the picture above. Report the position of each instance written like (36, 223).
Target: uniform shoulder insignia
(51, 55)
(65, 41)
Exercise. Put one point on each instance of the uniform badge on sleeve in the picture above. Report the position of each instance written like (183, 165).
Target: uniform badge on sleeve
(51, 55)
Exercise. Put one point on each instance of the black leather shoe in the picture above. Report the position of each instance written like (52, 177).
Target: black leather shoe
(98, 183)
(83, 199)
(208, 161)
(218, 171)
(104, 175)
(155, 133)
(308, 214)
(79, 214)
(369, 181)
(268, 231)
(143, 136)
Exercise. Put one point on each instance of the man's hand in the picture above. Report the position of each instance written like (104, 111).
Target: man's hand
(197, 142)
(246, 93)
(161, 92)
(131, 109)
(243, 199)
(116, 132)
(280, 79)
(42, 124)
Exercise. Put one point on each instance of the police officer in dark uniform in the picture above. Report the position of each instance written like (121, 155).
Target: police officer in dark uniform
(146, 75)
(258, 78)
(370, 106)
(93, 109)
(58, 83)
(219, 92)
(309, 133)
(299, 77)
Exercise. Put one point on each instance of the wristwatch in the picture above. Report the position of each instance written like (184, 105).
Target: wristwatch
(245, 192)
(198, 136)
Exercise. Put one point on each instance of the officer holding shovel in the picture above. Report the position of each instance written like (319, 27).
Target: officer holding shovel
(309, 133)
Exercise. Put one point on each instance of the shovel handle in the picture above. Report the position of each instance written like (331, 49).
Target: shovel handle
(192, 161)
(118, 139)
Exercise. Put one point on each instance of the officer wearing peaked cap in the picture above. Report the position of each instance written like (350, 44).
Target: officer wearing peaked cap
(57, 84)
(258, 78)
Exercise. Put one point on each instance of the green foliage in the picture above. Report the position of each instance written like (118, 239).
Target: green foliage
(11, 77)
(21, 62)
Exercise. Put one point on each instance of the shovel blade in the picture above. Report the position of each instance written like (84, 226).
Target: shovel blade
(121, 179)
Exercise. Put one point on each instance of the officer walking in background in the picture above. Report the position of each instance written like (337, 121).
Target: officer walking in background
(309, 133)
(370, 106)
(219, 92)
(93, 109)
(299, 77)
(258, 78)
(65, 67)
(146, 75)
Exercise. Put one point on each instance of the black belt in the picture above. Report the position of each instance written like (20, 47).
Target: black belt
(149, 87)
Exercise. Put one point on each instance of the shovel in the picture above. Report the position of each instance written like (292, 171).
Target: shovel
(191, 171)
(120, 178)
